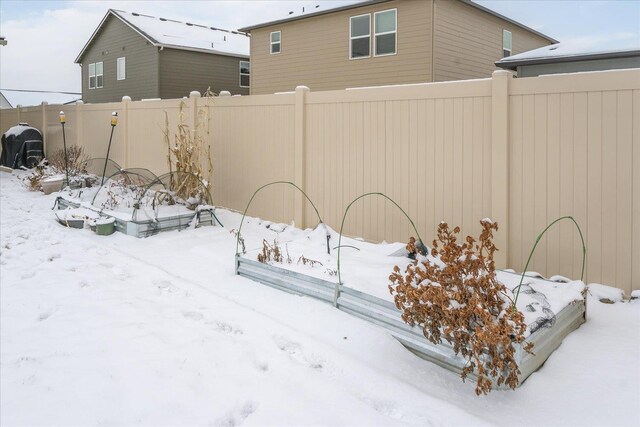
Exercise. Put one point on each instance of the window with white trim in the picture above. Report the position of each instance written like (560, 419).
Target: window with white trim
(360, 36)
(275, 41)
(92, 76)
(245, 71)
(506, 43)
(121, 68)
(99, 75)
(385, 29)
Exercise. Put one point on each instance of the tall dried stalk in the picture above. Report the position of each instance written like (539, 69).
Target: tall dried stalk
(190, 155)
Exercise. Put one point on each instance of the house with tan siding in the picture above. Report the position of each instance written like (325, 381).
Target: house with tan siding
(141, 56)
(382, 42)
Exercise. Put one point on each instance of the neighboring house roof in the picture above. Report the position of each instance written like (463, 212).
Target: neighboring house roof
(562, 52)
(27, 98)
(163, 32)
(4, 102)
(372, 2)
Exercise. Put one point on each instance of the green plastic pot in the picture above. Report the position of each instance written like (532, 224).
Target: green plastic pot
(105, 227)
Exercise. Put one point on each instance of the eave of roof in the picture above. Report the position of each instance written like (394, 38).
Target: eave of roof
(513, 64)
(372, 2)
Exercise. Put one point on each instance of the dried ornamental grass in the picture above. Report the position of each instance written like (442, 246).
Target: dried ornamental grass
(191, 154)
(463, 303)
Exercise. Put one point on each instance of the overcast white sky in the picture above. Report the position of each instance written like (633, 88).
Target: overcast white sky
(44, 37)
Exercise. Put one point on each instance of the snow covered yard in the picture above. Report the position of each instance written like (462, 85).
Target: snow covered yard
(122, 331)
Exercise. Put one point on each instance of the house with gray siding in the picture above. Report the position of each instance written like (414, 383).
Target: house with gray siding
(141, 56)
(567, 58)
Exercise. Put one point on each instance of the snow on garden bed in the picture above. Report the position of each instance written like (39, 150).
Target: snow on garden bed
(366, 267)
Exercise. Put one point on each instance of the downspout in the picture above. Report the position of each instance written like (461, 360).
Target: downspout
(160, 49)
(433, 32)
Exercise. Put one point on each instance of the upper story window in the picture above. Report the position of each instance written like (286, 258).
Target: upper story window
(96, 76)
(92, 76)
(275, 41)
(121, 68)
(385, 28)
(360, 36)
(506, 43)
(245, 71)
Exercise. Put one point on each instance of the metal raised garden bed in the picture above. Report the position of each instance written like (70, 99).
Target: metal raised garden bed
(385, 314)
(150, 227)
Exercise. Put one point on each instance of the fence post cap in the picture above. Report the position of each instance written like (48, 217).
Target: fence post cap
(126, 98)
(194, 94)
(224, 93)
(79, 102)
(501, 73)
(302, 88)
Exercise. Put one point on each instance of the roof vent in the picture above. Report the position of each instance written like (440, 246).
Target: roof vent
(135, 14)
(163, 19)
(190, 24)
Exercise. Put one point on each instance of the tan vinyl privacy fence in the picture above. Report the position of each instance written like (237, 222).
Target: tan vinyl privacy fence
(521, 151)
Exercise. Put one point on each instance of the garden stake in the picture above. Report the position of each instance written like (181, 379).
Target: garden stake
(584, 252)
(64, 144)
(114, 122)
(336, 293)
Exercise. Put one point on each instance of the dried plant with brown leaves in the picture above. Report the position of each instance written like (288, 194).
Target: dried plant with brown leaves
(76, 160)
(34, 179)
(307, 261)
(270, 252)
(463, 303)
(190, 154)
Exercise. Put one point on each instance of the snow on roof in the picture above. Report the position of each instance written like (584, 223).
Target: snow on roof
(187, 35)
(561, 52)
(25, 98)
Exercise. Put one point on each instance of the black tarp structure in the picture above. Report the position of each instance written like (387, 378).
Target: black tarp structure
(21, 146)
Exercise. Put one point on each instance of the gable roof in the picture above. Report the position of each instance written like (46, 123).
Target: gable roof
(163, 32)
(27, 98)
(563, 52)
(372, 2)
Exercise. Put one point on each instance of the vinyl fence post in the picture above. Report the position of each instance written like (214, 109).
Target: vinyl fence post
(124, 124)
(44, 127)
(500, 163)
(299, 154)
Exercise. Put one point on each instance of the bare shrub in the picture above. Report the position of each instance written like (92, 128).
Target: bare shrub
(76, 160)
(463, 303)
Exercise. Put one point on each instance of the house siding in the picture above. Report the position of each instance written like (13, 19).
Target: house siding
(315, 52)
(115, 40)
(534, 70)
(468, 41)
(183, 71)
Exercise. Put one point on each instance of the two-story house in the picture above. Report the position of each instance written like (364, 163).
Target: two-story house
(146, 57)
(381, 42)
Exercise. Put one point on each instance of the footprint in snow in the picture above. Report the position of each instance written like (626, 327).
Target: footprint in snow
(225, 328)
(384, 407)
(295, 352)
(28, 275)
(193, 315)
(45, 315)
(237, 416)
(164, 285)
